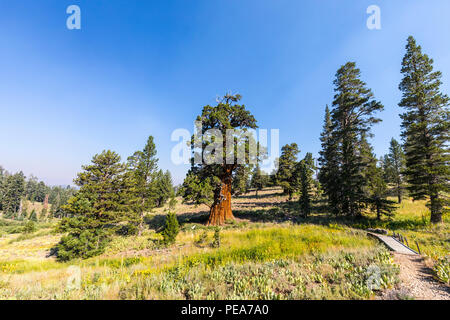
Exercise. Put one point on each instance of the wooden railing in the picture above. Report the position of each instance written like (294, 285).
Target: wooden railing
(404, 240)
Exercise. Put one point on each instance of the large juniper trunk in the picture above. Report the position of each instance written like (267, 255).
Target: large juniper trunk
(221, 209)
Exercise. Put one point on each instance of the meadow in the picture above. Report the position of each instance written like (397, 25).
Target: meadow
(269, 252)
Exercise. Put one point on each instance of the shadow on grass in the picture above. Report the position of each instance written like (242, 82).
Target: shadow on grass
(157, 221)
(320, 215)
(252, 195)
(291, 211)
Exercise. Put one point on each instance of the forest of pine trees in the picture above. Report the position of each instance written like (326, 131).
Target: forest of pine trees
(16, 190)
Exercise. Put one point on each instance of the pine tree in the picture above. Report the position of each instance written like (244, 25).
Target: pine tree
(352, 117)
(197, 190)
(286, 177)
(375, 187)
(377, 196)
(14, 188)
(97, 209)
(241, 180)
(171, 229)
(329, 165)
(306, 167)
(425, 128)
(163, 190)
(394, 165)
(259, 179)
(2, 186)
(142, 172)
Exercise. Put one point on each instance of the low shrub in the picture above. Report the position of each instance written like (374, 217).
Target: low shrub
(171, 229)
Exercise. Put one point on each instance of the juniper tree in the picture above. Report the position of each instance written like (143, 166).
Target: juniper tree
(425, 128)
(394, 165)
(286, 177)
(216, 172)
(352, 117)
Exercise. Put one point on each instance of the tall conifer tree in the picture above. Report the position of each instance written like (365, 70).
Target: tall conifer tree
(425, 125)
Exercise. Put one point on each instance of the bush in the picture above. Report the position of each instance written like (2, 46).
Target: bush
(442, 270)
(171, 229)
(202, 238)
(33, 216)
(216, 242)
(86, 244)
(128, 230)
(29, 227)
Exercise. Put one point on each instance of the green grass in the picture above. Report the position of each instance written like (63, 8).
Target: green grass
(262, 256)
(264, 262)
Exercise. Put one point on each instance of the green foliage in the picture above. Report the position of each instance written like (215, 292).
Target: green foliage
(241, 180)
(442, 270)
(29, 227)
(306, 168)
(259, 179)
(13, 188)
(83, 244)
(208, 181)
(342, 158)
(216, 241)
(202, 238)
(285, 176)
(171, 229)
(197, 190)
(129, 229)
(33, 215)
(163, 188)
(97, 209)
(394, 166)
(425, 125)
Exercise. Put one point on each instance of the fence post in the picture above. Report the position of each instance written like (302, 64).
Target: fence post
(418, 249)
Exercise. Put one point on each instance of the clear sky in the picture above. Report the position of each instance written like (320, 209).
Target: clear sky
(139, 68)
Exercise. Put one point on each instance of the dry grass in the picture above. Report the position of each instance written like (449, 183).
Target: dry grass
(266, 253)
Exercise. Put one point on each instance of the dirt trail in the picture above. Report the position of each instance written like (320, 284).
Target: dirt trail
(416, 281)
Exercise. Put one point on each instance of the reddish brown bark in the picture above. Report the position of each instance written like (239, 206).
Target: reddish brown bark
(220, 211)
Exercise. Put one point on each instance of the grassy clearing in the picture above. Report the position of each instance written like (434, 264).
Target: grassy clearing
(269, 252)
(273, 262)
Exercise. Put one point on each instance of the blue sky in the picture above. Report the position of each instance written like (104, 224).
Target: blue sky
(139, 68)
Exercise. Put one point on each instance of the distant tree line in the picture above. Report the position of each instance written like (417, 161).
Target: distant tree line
(16, 190)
